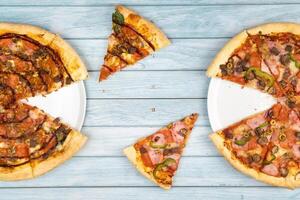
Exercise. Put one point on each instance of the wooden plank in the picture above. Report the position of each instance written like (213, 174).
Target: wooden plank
(193, 21)
(183, 54)
(210, 193)
(140, 2)
(142, 112)
(118, 171)
(151, 193)
(149, 84)
(109, 141)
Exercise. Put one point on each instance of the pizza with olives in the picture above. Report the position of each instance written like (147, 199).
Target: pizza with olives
(157, 156)
(132, 39)
(266, 145)
(34, 62)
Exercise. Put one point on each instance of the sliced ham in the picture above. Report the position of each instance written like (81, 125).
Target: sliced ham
(298, 87)
(293, 117)
(256, 121)
(296, 150)
(265, 68)
(270, 169)
(156, 156)
(272, 64)
(177, 126)
(159, 139)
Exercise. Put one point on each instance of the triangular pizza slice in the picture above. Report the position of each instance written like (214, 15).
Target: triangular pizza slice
(157, 156)
(132, 39)
(32, 142)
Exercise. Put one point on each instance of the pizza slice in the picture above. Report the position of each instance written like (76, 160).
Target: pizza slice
(34, 61)
(265, 146)
(157, 156)
(266, 58)
(132, 39)
(32, 142)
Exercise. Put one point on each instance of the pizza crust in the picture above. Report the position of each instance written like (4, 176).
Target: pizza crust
(72, 144)
(68, 55)
(144, 27)
(223, 55)
(34, 32)
(16, 173)
(276, 181)
(131, 154)
(71, 60)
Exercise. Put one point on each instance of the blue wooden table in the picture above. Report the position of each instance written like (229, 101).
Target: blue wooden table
(133, 103)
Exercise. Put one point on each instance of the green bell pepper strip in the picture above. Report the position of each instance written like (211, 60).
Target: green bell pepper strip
(242, 141)
(263, 124)
(157, 146)
(160, 166)
(297, 64)
(270, 157)
(267, 77)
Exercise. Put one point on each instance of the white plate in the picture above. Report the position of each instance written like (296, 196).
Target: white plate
(228, 103)
(68, 103)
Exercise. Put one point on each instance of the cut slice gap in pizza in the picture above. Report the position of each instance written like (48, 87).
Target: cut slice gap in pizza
(265, 146)
(34, 62)
(157, 156)
(133, 38)
(33, 143)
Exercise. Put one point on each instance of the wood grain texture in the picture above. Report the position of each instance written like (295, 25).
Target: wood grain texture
(151, 193)
(177, 21)
(118, 171)
(138, 2)
(102, 140)
(143, 112)
(198, 53)
(136, 102)
(149, 84)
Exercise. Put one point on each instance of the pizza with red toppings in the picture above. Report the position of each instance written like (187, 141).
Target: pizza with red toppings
(34, 62)
(266, 145)
(157, 156)
(133, 38)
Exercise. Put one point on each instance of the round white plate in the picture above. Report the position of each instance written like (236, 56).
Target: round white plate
(228, 103)
(68, 103)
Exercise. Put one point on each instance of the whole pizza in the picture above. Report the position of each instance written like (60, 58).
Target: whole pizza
(34, 62)
(266, 145)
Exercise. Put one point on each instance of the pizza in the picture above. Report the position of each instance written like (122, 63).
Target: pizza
(157, 156)
(34, 62)
(132, 39)
(266, 145)
(32, 142)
